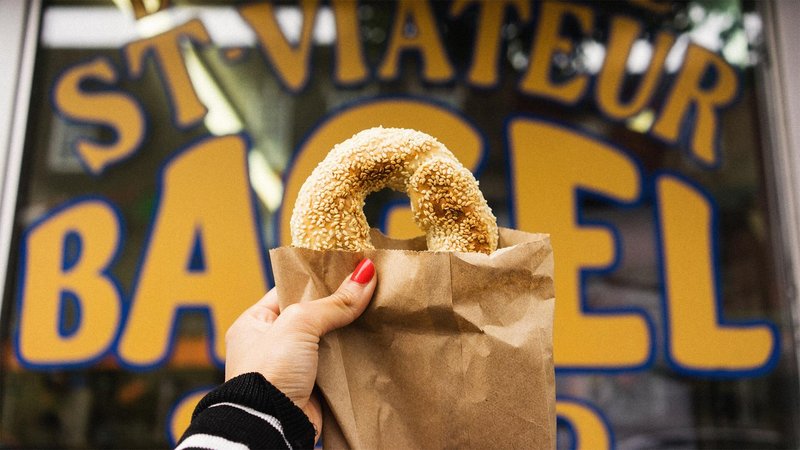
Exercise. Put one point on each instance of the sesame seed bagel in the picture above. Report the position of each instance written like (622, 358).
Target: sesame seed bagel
(445, 199)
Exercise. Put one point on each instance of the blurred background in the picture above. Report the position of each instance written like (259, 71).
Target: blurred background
(277, 73)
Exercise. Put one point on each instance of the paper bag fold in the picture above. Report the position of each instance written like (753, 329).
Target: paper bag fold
(454, 351)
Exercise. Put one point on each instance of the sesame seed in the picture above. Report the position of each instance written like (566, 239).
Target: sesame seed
(446, 201)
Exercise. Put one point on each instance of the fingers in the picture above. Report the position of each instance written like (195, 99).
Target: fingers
(266, 309)
(350, 300)
(343, 306)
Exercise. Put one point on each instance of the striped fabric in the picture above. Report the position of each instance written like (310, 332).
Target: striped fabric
(247, 412)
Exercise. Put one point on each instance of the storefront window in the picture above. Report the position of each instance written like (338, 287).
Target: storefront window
(166, 142)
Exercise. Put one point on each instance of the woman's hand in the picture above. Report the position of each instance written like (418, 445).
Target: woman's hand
(283, 345)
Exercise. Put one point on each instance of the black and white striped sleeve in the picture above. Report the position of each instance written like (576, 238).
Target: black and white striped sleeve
(247, 412)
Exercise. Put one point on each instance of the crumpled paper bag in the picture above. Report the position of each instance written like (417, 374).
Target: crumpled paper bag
(454, 351)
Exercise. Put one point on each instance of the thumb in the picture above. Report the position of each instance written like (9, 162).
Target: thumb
(347, 303)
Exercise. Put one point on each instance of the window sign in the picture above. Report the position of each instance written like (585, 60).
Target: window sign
(167, 141)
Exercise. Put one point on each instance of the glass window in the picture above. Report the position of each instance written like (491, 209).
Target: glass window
(166, 142)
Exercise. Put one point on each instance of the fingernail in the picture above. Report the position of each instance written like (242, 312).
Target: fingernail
(364, 272)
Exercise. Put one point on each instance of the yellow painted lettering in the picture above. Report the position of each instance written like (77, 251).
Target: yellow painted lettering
(291, 63)
(611, 79)
(144, 8)
(698, 341)
(203, 253)
(116, 110)
(547, 43)
(70, 306)
(590, 430)
(486, 56)
(351, 66)
(549, 165)
(693, 94)
(415, 29)
(459, 136)
(165, 49)
(181, 415)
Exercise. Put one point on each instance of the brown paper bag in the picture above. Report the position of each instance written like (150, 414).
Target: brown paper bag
(454, 351)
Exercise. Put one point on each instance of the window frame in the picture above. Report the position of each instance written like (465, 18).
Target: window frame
(21, 22)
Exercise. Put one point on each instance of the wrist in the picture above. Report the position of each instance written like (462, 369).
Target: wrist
(252, 390)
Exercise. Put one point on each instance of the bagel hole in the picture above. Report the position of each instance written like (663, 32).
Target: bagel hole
(377, 204)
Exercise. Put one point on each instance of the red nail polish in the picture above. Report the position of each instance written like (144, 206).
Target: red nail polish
(364, 271)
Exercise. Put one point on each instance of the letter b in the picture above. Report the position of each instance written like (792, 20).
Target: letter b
(69, 305)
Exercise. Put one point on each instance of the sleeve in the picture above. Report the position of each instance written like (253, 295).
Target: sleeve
(247, 412)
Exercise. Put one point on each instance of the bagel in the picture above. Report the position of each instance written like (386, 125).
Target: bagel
(445, 199)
